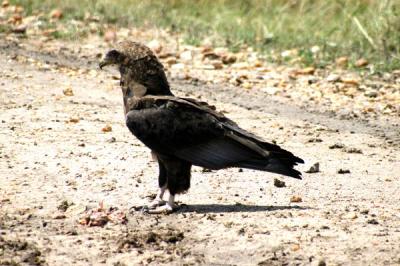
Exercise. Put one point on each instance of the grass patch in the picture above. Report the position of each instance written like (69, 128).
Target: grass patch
(357, 28)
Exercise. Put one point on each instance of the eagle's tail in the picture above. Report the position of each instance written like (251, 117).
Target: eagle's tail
(275, 164)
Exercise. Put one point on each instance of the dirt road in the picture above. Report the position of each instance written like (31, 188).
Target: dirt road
(58, 159)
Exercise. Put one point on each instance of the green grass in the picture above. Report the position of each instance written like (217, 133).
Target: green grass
(356, 28)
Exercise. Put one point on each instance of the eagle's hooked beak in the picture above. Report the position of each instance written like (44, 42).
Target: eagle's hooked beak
(103, 63)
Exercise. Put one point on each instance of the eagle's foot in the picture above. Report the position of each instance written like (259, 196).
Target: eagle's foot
(167, 208)
(157, 202)
(164, 209)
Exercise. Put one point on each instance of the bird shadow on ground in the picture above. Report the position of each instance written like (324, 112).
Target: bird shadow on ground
(224, 208)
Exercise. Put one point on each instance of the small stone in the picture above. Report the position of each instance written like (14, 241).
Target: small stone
(111, 140)
(155, 45)
(343, 171)
(353, 150)
(315, 49)
(110, 36)
(351, 215)
(371, 94)
(313, 169)
(178, 66)
(314, 140)
(333, 78)
(186, 56)
(59, 216)
(337, 146)
(279, 183)
(20, 29)
(372, 221)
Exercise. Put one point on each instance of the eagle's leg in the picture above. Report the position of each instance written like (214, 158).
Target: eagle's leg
(162, 183)
(177, 180)
(158, 201)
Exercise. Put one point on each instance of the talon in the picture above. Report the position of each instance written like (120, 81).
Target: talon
(145, 209)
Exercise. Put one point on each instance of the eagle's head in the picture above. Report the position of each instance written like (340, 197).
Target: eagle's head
(113, 57)
(127, 52)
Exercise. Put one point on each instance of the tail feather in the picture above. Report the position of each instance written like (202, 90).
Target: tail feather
(272, 165)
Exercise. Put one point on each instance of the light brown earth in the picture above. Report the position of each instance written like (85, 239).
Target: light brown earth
(56, 163)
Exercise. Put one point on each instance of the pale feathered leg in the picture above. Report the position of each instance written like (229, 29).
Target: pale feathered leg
(158, 201)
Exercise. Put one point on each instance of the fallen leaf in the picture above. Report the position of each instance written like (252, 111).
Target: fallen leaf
(56, 14)
(295, 247)
(229, 59)
(68, 92)
(342, 61)
(171, 61)
(296, 199)
(350, 81)
(305, 71)
(361, 62)
(74, 120)
(107, 128)
(5, 3)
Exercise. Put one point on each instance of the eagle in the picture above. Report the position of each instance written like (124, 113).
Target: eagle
(182, 132)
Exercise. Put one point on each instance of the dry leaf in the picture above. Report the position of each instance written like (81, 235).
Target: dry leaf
(305, 71)
(350, 81)
(68, 92)
(5, 3)
(361, 62)
(107, 128)
(171, 61)
(295, 247)
(229, 59)
(342, 61)
(56, 14)
(217, 65)
(296, 199)
(74, 120)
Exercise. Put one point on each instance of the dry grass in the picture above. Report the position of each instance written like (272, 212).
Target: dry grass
(357, 28)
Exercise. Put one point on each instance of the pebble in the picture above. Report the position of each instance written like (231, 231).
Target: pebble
(313, 169)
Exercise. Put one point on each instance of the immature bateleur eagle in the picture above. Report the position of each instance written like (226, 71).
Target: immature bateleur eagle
(182, 132)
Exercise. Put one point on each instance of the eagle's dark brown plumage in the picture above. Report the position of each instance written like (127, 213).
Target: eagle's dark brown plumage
(182, 132)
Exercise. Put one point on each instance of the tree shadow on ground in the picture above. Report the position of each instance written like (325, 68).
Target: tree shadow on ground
(226, 208)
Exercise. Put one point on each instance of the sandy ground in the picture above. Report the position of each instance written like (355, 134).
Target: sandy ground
(56, 163)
